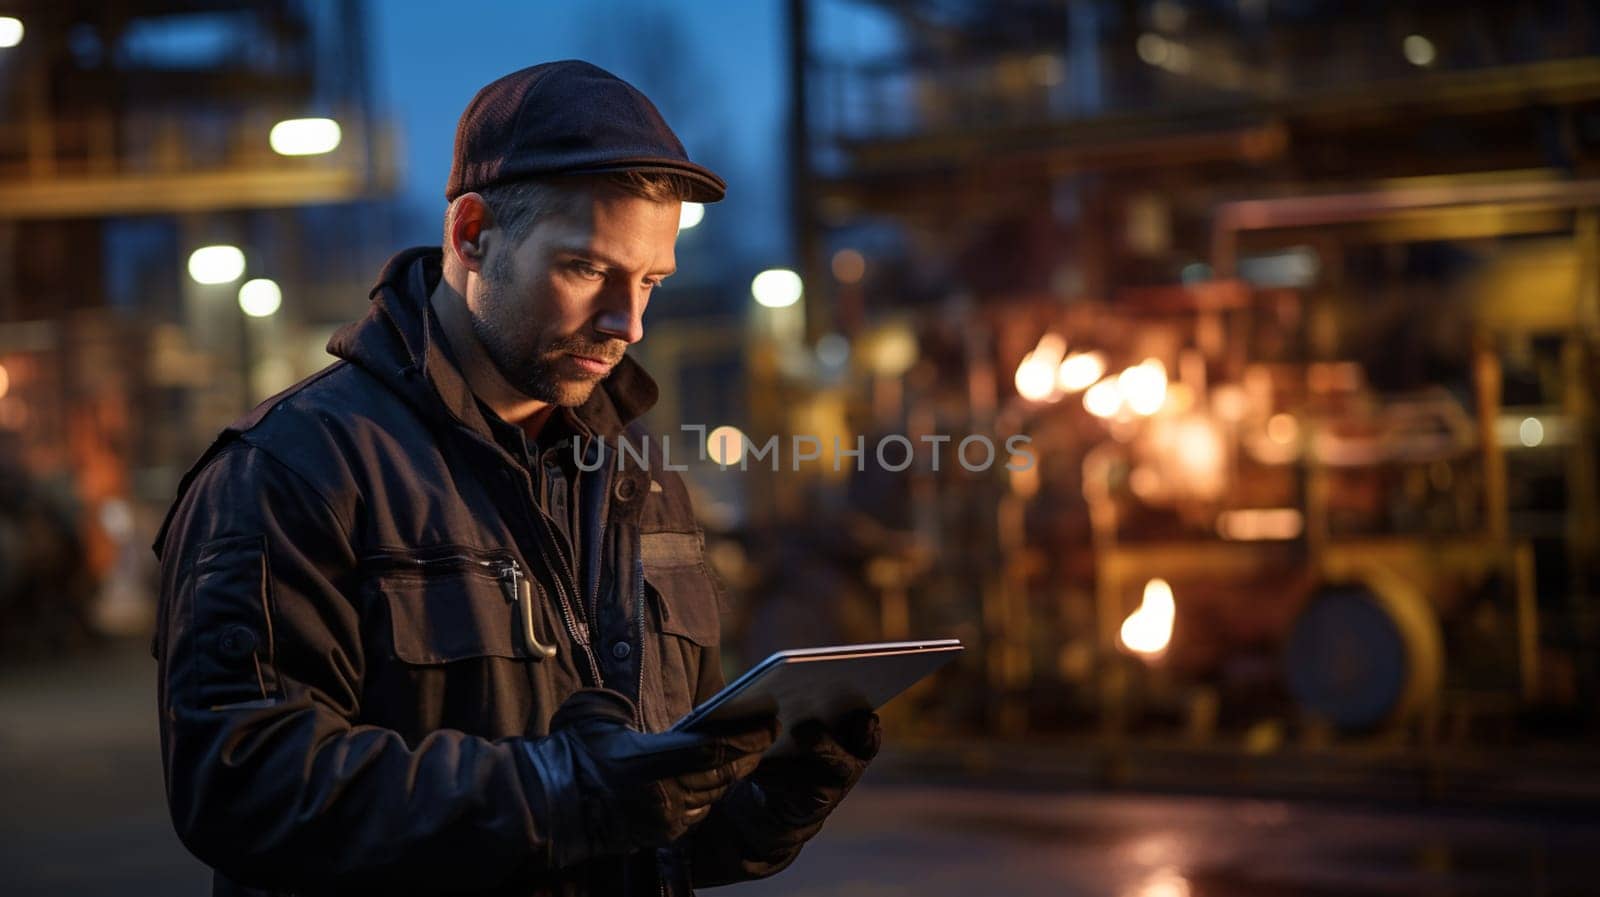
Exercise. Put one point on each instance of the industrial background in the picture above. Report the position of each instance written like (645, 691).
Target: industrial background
(1296, 302)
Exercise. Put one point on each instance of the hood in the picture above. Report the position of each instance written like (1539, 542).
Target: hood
(399, 341)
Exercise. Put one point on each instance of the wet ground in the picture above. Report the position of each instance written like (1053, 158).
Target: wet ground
(81, 814)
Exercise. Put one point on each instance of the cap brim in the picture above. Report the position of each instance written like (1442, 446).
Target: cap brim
(704, 184)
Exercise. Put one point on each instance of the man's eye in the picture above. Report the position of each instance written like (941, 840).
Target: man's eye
(585, 269)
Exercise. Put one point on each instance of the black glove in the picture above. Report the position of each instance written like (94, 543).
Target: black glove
(801, 788)
(613, 790)
(760, 826)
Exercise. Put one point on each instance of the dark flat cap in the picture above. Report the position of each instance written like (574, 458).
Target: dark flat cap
(566, 118)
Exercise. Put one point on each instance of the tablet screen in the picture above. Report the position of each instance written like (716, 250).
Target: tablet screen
(824, 683)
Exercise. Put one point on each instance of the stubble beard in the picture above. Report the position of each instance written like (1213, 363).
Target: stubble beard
(532, 370)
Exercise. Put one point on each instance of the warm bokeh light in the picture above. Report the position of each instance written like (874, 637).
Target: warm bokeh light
(11, 31)
(1198, 456)
(1164, 54)
(1144, 386)
(1260, 524)
(892, 351)
(1152, 48)
(1283, 429)
(1036, 379)
(1229, 402)
(1051, 348)
(690, 214)
(1419, 51)
(1103, 399)
(1080, 370)
(725, 445)
(1148, 630)
(1180, 398)
(849, 266)
(5, 381)
(216, 264)
(1036, 373)
(1531, 432)
(777, 288)
(305, 136)
(260, 297)
(1164, 883)
(1145, 482)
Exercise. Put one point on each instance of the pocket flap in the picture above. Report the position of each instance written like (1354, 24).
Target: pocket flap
(661, 550)
(686, 602)
(444, 618)
(232, 620)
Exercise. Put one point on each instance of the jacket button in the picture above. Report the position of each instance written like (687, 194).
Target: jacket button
(621, 650)
(236, 643)
(625, 489)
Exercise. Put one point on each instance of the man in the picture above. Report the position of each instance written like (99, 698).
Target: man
(408, 643)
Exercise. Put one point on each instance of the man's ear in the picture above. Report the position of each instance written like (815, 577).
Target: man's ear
(469, 227)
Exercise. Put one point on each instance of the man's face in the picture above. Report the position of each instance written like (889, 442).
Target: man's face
(556, 312)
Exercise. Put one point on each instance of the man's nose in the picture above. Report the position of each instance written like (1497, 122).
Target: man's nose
(622, 316)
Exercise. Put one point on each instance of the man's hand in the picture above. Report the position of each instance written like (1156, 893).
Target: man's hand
(759, 828)
(638, 790)
(802, 788)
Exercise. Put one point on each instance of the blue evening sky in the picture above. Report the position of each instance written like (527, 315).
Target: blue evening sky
(716, 68)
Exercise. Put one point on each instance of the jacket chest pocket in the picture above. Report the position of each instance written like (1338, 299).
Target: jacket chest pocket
(687, 600)
(685, 616)
(451, 604)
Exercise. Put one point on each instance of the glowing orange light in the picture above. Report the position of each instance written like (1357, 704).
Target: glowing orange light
(1180, 398)
(849, 266)
(1260, 524)
(1144, 386)
(1036, 375)
(1080, 370)
(1148, 630)
(1103, 399)
(1230, 403)
(1036, 379)
(1283, 429)
(726, 445)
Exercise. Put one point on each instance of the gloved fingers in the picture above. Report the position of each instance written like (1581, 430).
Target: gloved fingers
(829, 766)
(824, 763)
(671, 754)
(711, 779)
(694, 798)
(860, 733)
(720, 778)
(808, 733)
(590, 704)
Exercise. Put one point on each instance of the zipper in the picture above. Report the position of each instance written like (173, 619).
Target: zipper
(490, 567)
(638, 603)
(564, 600)
(548, 536)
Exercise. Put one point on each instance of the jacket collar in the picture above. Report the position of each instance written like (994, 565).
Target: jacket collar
(400, 342)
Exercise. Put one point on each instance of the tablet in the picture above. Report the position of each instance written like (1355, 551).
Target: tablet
(823, 683)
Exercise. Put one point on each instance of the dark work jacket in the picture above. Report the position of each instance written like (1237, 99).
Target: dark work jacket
(345, 691)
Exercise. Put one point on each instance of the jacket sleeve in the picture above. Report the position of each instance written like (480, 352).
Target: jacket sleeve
(269, 779)
(739, 840)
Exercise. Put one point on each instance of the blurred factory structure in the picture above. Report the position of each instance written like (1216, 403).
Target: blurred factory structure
(1298, 303)
(186, 212)
(1295, 305)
